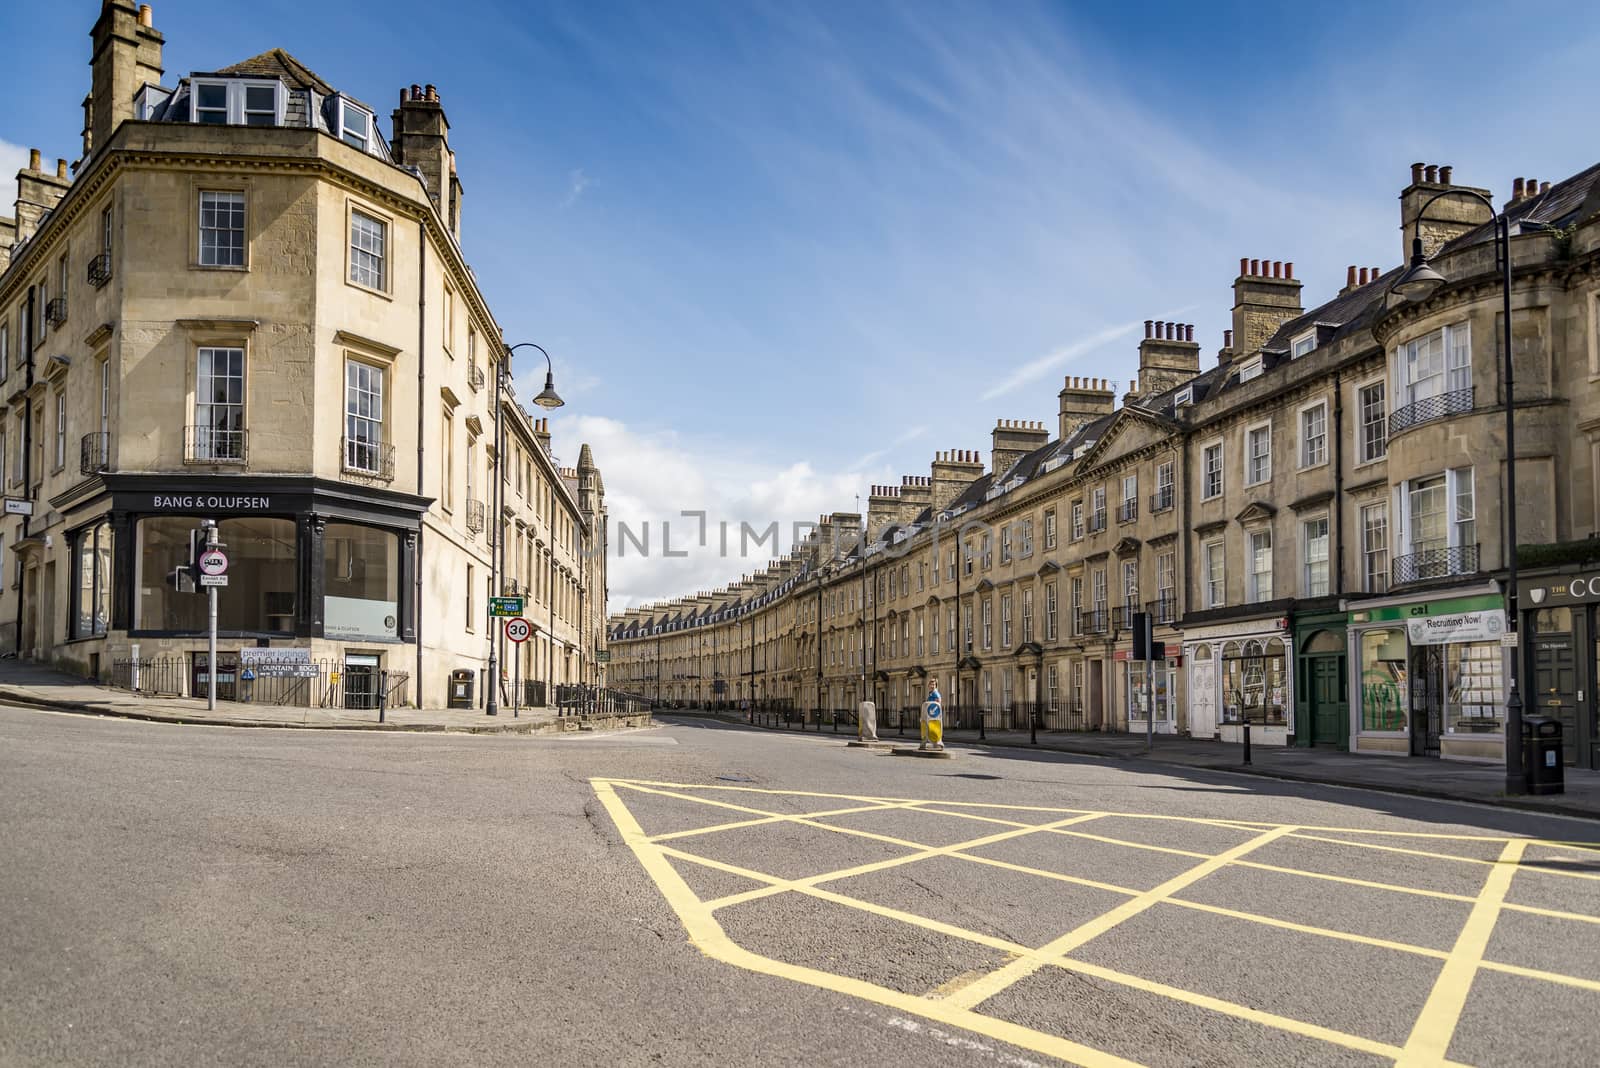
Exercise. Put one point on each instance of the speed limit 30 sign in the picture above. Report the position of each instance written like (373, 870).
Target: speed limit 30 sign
(518, 629)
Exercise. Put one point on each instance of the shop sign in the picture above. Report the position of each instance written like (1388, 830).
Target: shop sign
(1397, 612)
(1562, 591)
(208, 502)
(1485, 626)
(286, 663)
(18, 506)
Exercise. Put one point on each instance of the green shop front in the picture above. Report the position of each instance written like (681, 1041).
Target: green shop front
(1428, 678)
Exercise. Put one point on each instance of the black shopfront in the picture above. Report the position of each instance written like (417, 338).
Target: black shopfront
(308, 558)
(1560, 641)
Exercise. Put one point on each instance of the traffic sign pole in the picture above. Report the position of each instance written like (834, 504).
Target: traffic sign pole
(211, 595)
(516, 679)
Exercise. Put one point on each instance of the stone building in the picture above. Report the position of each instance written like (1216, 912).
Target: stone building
(243, 303)
(1315, 521)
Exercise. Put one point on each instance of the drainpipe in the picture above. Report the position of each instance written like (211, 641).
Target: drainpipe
(417, 613)
(29, 317)
(1338, 486)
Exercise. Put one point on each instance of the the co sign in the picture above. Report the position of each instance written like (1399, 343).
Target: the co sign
(518, 629)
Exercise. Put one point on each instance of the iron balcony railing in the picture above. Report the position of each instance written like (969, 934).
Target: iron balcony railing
(1122, 616)
(1442, 406)
(474, 515)
(1097, 522)
(55, 311)
(1128, 510)
(94, 452)
(1164, 609)
(214, 445)
(475, 376)
(1161, 499)
(99, 272)
(1094, 622)
(1435, 564)
(371, 459)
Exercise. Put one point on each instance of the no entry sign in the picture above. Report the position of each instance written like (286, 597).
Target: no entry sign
(213, 562)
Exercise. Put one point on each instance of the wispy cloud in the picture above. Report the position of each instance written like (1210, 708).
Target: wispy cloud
(12, 159)
(577, 183)
(868, 459)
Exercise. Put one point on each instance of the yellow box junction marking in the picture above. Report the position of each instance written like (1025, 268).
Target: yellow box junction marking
(955, 1002)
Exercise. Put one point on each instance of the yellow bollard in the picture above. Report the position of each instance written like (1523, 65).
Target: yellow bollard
(933, 721)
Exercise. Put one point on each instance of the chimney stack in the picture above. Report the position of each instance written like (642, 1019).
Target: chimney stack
(1083, 400)
(1262, 303)
(1012, 440)
(1448, 217)
(422, 140)
(951, 474)
(1167, 359)
(125, 56)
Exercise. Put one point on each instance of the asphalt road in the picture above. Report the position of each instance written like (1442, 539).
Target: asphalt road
(177, 894)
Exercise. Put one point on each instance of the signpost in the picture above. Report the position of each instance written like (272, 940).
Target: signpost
(505, 607)
(518, 630)
(213, 565)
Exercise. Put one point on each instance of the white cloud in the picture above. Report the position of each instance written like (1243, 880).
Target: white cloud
(12, 159)
(577, 182)
(653, 478)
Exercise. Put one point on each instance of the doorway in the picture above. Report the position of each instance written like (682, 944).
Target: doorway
(1427, 699)
(227, 674)
(1097, 696)
(1555, 678)
(360, 681)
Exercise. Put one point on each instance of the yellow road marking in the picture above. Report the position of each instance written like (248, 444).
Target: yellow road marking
(780, 817)
(950, 986)
(1436, 1023)
(998, 980)
(1527, 866)
(1535, 973)
(707, 936)
(1075, 834)
(737, 824)
(1303, 928)
(1351, 880)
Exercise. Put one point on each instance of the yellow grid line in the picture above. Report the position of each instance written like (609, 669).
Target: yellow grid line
(1429, 1043)
(739, 824)
(1077, 834)
(1530, 867)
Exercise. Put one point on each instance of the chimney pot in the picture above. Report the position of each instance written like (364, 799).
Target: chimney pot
(1244, 265)
(1544, 187)
(1516, 189)
(1255, 268)
(146, 16)
(416, 91)
(1277, 268)
(1361, 279)
(1416, 174)
(1288, 269)
(61, 168)
(1188, 332)
(33, 159)
(1444, 175)
(1147, 325)
(1350, 277)
(433, 93)
(1431, 171)
(1373, 277)
(1227, 339)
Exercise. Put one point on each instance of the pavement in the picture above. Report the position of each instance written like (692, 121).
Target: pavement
(1447, 779)
(36, 686)
(700, 893)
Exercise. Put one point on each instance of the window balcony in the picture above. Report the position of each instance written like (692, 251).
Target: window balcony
(474, 515)
(213, 445)
(1095, 622)
(1122, 616)
(55, 311)
(94, 452)
(1442, 406)
(475, 376)
(99, 272)
(1435, 564)
(1128, 510)
(367, 459)
(1097, 522)
(1161, 500)
(1164, 609)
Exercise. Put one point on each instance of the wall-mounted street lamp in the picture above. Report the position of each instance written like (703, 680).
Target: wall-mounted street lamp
(497, 561)
(1418, 282)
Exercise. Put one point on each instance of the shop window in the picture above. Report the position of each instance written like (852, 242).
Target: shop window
(1474, 699)
(1138, 698)
(92, 595)
(1254, 681)
(263, 567)
(1383, 680)
(361, 582)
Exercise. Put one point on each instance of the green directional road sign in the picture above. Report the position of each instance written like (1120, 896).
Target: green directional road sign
(509, 607)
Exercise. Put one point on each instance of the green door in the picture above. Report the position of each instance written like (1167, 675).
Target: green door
(1330, 723)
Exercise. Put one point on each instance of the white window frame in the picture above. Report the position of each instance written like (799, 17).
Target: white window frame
(1366, 455)
(1309, 460)
(1214, 557)
(243, 228)
(1380, 509)
(219, 441)
(234, 96)
(375, 438)
(1454, 479)
(1308, 579)
(1206, 492)
(1166, 479)
(1251, 476)
(61, 431)
(1254, 573)
(344, 112)
(1249, 370)
(381, 255)
(1299, 346)
(1454, 367)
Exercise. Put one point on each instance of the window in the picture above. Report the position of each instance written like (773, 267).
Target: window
(1258, 454)
(966, 549)
(1437, 363)
(1050, 632)
(1005, 545)
(105, 230)
(988, 623)
(1049, 526)
(988, 551)
(1374, 422)
(360, 582)
(1211, 471)
(1128, 510)
(1027, 614)
(447, 463)
(218, 405)
(210, 102)
(1375, 548)
(363, 417)
(1101, 594)
(1314, 435)
(1216, 593)
(1314, 546)
(1443, 517)
(1097, 509)
(1164, 488)
(472, 592)
(260, 105)
(1076, 604)
(5, 350)
(1026, 534)
(1005, 621)
(221, 229)
(447, 321)
(1130, 587)
(1053, 691)
(1165, 578)
(263, 576)
(61, 287)
(1303, 344)
(950, 629)
(355, 125)
(367, 235)
(1250, 369)
(1077, 520)
(1260, 565)
(61, 432)
(236, 102)
(92, 596)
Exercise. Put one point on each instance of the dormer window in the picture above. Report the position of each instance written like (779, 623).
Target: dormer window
(1185, 396)
(211, 102)
(1249, 370)
(261, 105)
(1303, 344)
(355, 125)
(236, 102)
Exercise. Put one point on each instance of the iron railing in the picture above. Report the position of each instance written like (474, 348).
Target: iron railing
(1161, 500)
(314, 684)
(578, 700)
(99, 271)
(1435, 564)
(1092, 622)
(370, 459)
(211, 445)
(55, 311)
(1128, 510)
(1164, 609)
(474, 515)
(94, 452)
(1097, 522)
(475, 376)
(1441, 406)
(1122, 616)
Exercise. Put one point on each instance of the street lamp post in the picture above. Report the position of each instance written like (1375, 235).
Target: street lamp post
(497, 558)
(1418, 282)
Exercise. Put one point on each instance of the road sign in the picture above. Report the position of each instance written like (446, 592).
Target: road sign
(213, 580)
(603, 656)
(518, 629)
(16, 506)
(507, 607)
(214, 562)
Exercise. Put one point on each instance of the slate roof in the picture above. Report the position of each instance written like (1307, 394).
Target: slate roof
(276, 63)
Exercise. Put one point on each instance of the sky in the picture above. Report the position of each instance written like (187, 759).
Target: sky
(781, 252)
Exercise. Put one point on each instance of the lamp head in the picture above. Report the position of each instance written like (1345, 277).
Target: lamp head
(548, 398)
(1419, 281)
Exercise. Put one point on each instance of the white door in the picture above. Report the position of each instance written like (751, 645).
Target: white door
(1202, 698)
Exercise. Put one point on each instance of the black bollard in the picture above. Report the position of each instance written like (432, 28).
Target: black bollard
(1033, 729)
(1247, 739)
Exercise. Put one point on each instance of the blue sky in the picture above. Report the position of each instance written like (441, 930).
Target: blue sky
(784, 251)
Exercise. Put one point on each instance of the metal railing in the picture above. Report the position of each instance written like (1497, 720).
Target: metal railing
(1164, 609)
(316, 684)
(1441, 406)
(1091, 622)
(211, 445)
(1096, 523)
(55, 311)
(1128, 510)
(1122, 616)
(475, 376)
(578, 700)
(371, 459)
(94, 452)
(99, 270)
(1161, 500)
(1435, 564)
(474, 515)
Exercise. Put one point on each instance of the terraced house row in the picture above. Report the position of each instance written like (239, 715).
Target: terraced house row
(243, 302)
(1315, 517)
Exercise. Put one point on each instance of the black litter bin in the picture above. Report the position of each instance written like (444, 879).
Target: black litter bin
(1543, 761)
(461, 689)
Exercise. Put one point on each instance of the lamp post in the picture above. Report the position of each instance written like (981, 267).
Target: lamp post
(497, 559)
(1418, 282)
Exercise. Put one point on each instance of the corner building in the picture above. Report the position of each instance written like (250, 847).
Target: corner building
(244, 303)
(1315, 519)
